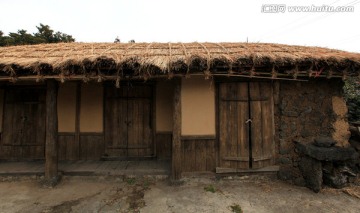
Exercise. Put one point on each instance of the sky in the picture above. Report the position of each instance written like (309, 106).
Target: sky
(189, 20)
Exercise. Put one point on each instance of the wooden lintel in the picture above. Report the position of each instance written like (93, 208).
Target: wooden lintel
(51, 149)
(176, 141)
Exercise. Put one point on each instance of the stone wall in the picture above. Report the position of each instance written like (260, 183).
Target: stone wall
(304, 111)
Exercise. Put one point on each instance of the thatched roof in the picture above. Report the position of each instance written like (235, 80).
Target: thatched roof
(104, 61)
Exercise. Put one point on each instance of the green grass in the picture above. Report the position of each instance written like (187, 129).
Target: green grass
(236, 208)
(210, 188)
(131, 181)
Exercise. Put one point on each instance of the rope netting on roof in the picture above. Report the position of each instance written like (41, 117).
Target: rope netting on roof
(116, 61)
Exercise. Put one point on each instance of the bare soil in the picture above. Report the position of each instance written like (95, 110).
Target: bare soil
(205, 194)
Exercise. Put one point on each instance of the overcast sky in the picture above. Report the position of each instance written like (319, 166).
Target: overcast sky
(188, 20)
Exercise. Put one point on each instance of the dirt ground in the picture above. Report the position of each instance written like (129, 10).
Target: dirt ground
(205, 194)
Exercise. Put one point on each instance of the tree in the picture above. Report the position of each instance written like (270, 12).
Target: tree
(352, 95)
(44, 35)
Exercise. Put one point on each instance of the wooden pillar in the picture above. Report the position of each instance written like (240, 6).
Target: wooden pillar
(51, 147)
(176, 141)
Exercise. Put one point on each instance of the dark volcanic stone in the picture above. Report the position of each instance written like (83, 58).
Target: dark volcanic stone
(311, 170)
(324, 142)
(290, 114)
(305, 133)
(327, 154)
(336, 178)
(288, 173)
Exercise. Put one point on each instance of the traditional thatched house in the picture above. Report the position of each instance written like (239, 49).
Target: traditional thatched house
(230, 106)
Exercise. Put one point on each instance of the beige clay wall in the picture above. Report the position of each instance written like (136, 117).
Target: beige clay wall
(341, 132)
(91, 107)
(164, 105)
(197, 106)
(67, 107)
(1, 107)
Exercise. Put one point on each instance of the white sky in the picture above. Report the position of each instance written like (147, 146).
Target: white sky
(187, 21)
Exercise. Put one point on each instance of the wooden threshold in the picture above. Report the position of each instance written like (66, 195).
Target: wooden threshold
(222, 170)
(135, 158)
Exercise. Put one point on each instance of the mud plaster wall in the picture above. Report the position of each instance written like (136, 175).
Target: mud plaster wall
(164, 105)
(66, 107)
(1, 107)
(91, 107)
(197, 106)
(341, 126)
(305, 110)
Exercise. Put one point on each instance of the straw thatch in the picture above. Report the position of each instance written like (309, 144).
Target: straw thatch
(104, 61)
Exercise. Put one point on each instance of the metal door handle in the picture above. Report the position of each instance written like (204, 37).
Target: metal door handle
(248, 120)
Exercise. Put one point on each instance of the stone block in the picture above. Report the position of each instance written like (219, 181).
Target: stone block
(311, 170)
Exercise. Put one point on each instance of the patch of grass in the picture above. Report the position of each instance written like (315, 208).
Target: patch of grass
(146, 184)
(131, 181)
(210, 188)
(236, 208)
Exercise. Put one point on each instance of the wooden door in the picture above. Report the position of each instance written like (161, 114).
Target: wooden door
(245, 125)
(128, 121)
(24, 123)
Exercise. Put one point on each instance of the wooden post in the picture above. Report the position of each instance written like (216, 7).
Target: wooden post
(176, 141)
(51, 149)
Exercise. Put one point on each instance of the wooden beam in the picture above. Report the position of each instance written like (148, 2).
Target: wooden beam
(176, 141)
(77, 118)
(51, 149)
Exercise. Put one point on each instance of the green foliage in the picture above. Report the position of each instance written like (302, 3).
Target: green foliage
(352, 95)
(44, 35)
(210, 188)
(131, 181)
(236, 208)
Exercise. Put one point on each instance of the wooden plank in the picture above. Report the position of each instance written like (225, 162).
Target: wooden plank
(200, 155)
(223, 138)
(92, 147)
(188, 156)
(51, 152)
(68, 148)
(76, 145)
(244, 159)
(163, 145)
(256, 124)
(243, 150)
(221, 170)
(176, 142)
(232, 130)
(133, 126)
(198, 137)
(210, 155)
(267, 125)
(115, 121)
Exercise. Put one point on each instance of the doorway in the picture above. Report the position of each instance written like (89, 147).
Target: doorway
(246, 126)
(129, 120)
(23, 134)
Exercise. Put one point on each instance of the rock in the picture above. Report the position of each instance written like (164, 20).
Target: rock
(335, 179)
(284, 151)
(324, 142)
(290, 113)
(288, 173)
(311, 170)
(355, 143)
(300, 181)
(305, 133)
(327, 154)
(284, 160)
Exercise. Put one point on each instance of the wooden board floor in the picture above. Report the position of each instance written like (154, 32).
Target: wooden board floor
(90, 168)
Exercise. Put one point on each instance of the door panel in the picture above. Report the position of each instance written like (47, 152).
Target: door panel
(24, 123)
(262, 125)
(246, 125)
(234, 140)
(128, 129)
